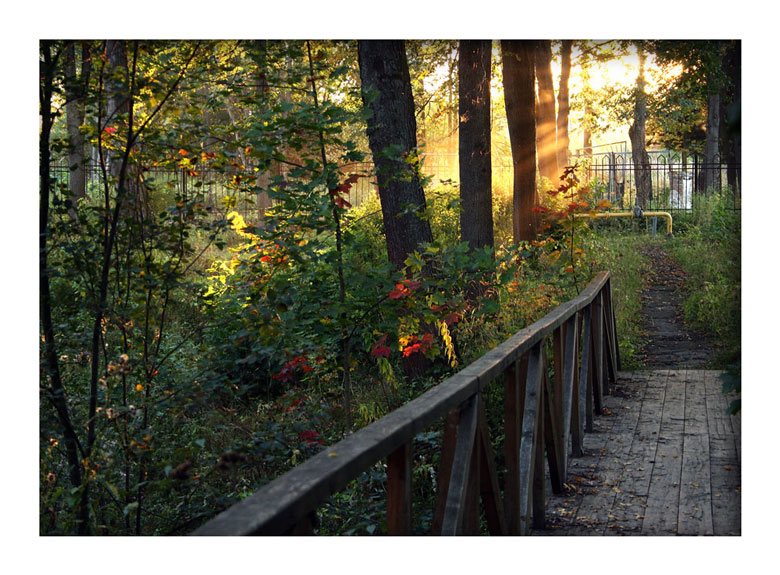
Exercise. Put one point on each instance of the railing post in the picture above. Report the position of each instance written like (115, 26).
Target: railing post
(445, 468)
(514, 398)
(597, 322)
(531, 442)
(570, 411)
(456, 501)
(586, 371)
(399, 491)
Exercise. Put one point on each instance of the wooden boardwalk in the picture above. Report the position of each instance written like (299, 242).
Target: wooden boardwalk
(664, 459)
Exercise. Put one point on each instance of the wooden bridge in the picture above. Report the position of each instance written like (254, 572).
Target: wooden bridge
(588, 449)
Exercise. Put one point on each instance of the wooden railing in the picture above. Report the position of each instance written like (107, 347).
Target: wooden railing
(540, 414)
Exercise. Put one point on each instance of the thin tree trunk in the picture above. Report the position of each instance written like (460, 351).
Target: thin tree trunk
(518, 77)
(636, 132)
(545, 117)
(476, 216)
(263, 181)
(562, 137)
(76, 86)
(587, 138)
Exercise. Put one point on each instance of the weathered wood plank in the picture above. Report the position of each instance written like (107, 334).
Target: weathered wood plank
(725, 466)
(449, 439)
(399, 490)
(646, 393)
(598, 346)
(695, 512)
(664, 492)
(454, 509)
(553, 441)
(531, 435)
(490, 492)
(514, 398)
(586, 375)
(569, 384)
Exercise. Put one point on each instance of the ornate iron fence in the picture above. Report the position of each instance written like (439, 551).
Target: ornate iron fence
(678, 179)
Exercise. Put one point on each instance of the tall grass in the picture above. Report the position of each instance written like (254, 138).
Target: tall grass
(709, 249)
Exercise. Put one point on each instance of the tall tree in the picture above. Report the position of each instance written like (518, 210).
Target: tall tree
(562, 136)
(545, 113)
(76, 85)
(52, 385)
(387, 94)
(476, 217)
(637, 135)
(710, 170)
(517, 57)
(731, 95)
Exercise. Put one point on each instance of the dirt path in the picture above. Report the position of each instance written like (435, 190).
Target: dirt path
(670, 342)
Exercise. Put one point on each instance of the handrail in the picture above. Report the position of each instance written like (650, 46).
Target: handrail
(287, 504)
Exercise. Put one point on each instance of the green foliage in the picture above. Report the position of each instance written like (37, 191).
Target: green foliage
(714, 282)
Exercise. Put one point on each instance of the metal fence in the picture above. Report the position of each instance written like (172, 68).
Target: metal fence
(212, 187)
(678, 179)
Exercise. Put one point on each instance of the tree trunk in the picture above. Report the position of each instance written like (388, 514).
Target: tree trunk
(587, 137)
(709, 178)
(518, 77)
(476, 216)
(75, 89)
(562, 137)
(733, 109)
(545, 114)
(636, 133)
(263, 180)
(387, 93)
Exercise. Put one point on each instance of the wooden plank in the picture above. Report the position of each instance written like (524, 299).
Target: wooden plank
(538, 485)
(725, 465)
(514, 399)
(585, 394)
(598, 346)
(399, 490)
(552, 441)
(454, 509)
(614, 326)
(571, 372)
(568, 384)
(646, 406)
(531, 435)
(559, 342)
(470, 520)
(305, 526)
(490, 492)
(695, 512)
(611, 336)
(445, 468)
(664, 491)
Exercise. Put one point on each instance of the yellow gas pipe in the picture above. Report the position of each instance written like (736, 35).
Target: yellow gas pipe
(666, 215)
